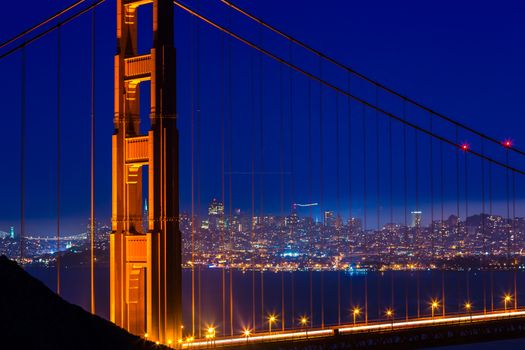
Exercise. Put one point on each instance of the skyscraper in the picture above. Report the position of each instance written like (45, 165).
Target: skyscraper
(416, 218)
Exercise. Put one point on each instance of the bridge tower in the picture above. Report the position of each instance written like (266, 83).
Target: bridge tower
(145, 267)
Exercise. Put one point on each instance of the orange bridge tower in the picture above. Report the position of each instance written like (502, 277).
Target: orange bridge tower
(145, 267)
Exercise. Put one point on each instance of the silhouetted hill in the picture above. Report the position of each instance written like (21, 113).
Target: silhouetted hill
(34, 317)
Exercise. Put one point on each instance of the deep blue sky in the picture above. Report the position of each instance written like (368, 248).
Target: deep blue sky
(463, 59)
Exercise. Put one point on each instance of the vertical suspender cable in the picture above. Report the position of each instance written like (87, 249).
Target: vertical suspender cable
(230, 180)
(365, 184)
(458, 224)
(442, 228)
(490, 248)
(292, 178)
(92, 221)
(58, 156)
(310, 190)
(252, 224)
(483, 232)
(281, 178)
(378, 198)
(417, 222)
(338, 204)
(223, 183)
(23, 117)
(405, 200)
(432, 231)
(391, 203)
(515, 237)
(467, 273)
(350, 202)
(321, 194)
(261, 181)
(192, 84)
(199, 242)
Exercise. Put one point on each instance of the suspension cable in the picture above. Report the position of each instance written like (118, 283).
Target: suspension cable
(51, 29)
(342, 91)
(362, 76)
(40, 24)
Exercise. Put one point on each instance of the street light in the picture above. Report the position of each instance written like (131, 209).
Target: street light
(271, 319)
(434, 305)
(246, 333)
(468, 308)
(390, 314)
(304, 324)
(507, 299)
(356, 313)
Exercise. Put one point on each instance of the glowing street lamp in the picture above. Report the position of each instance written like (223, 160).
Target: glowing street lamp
(468, 308)
(247, 333)
(356, 313)
(390, 314)
(304, 323)
(434, 305)
(271, 320)
(506, 300)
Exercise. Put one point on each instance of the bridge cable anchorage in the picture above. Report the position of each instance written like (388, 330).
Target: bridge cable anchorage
(40, 24)
(50, 29)
(342, 91)
(361, 75)
(92, 173)
(58, 155)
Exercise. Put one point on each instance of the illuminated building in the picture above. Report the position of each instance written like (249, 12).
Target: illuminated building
(416, 218)
(12, 232)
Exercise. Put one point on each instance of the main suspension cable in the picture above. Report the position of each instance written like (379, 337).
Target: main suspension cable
(342, 91)
(362, 76)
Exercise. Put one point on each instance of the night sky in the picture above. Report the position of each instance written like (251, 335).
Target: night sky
(463, 59)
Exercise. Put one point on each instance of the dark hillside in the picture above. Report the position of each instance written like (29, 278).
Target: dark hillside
(34, 317)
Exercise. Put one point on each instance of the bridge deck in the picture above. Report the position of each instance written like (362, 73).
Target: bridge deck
(397, 329)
